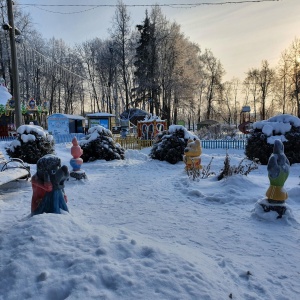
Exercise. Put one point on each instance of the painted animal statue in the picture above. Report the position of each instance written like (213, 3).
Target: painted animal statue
(278, 172)
(48, 195)
(192, 154)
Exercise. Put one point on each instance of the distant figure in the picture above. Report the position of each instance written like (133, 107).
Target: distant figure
(278, 171)
(48, 186)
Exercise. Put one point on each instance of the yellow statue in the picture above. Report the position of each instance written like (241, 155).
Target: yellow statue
(192, 154)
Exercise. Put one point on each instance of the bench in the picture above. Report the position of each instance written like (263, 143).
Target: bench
(12, 169)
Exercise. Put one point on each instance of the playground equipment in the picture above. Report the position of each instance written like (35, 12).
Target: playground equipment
(149, 128)
(245, 123)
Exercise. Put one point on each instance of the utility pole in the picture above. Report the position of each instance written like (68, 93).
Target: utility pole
(14, 63)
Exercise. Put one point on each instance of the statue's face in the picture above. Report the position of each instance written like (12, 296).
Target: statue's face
(48, 164)
(53, 172)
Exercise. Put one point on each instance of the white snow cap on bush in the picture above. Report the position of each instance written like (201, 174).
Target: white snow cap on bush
(93, 133)
(26, 136)
(14, 144)
(276, 127)
(31, 128)
(187, 134)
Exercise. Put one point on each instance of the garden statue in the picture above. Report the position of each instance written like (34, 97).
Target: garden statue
(48, 186)
(76, 161)
(278, 172)
(192, 154)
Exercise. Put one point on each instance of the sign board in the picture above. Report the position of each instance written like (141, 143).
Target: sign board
(103, 122)
(181, 122)
(58, 125)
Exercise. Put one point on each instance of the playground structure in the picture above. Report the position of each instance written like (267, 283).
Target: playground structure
(31, 113)
(245, 122)
(149, 128)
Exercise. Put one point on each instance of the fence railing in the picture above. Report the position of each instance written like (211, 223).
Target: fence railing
(58, 138)
(131, 142)
(67, 138)
(7, 138)
(223, 144)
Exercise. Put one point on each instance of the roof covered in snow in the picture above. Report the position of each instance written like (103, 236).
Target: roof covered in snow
(71, 117)
(100, 114)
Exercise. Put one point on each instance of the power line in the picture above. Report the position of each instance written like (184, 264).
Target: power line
(46, 58)
(142, 5)
(171, 5)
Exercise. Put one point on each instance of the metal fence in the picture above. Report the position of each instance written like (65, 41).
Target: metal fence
(67, 138)
(7, 138)
(131, 142)
(58, 138)
(223, 144)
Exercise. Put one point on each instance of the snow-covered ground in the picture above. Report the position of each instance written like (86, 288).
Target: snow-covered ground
(141, 229)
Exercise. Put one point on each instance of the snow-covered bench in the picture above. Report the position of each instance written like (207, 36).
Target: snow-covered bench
(12, 169)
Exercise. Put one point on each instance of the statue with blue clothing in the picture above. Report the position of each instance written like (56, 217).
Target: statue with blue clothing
(48, 186)
(278, 172)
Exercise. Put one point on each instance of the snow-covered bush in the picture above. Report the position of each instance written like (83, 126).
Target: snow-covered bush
(282, 127)
(99, 144)
(31, 144)
(169, 145)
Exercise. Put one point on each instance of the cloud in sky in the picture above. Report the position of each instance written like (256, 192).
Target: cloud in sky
(240, 35)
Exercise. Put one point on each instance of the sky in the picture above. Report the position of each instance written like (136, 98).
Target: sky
(240, 35)
(142, 229)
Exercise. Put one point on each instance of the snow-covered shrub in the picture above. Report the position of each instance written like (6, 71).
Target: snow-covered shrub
(99, 144)
(31, 144)
(282, 127)
(169, 145)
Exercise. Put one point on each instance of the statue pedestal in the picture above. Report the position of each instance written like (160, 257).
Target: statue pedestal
(78, 174)
(278, 172)
(273, 205)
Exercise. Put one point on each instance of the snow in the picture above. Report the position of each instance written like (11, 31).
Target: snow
(93, 134)
(27, 137)
(151, 118)
(31, 128)
(275, 127)
(141, 229)
(4, 94)
(187, 134)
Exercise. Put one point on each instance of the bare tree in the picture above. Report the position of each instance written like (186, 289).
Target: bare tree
(213, 72)
(251, 87)
(294, 62)
(281, 88)
(120, 35)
